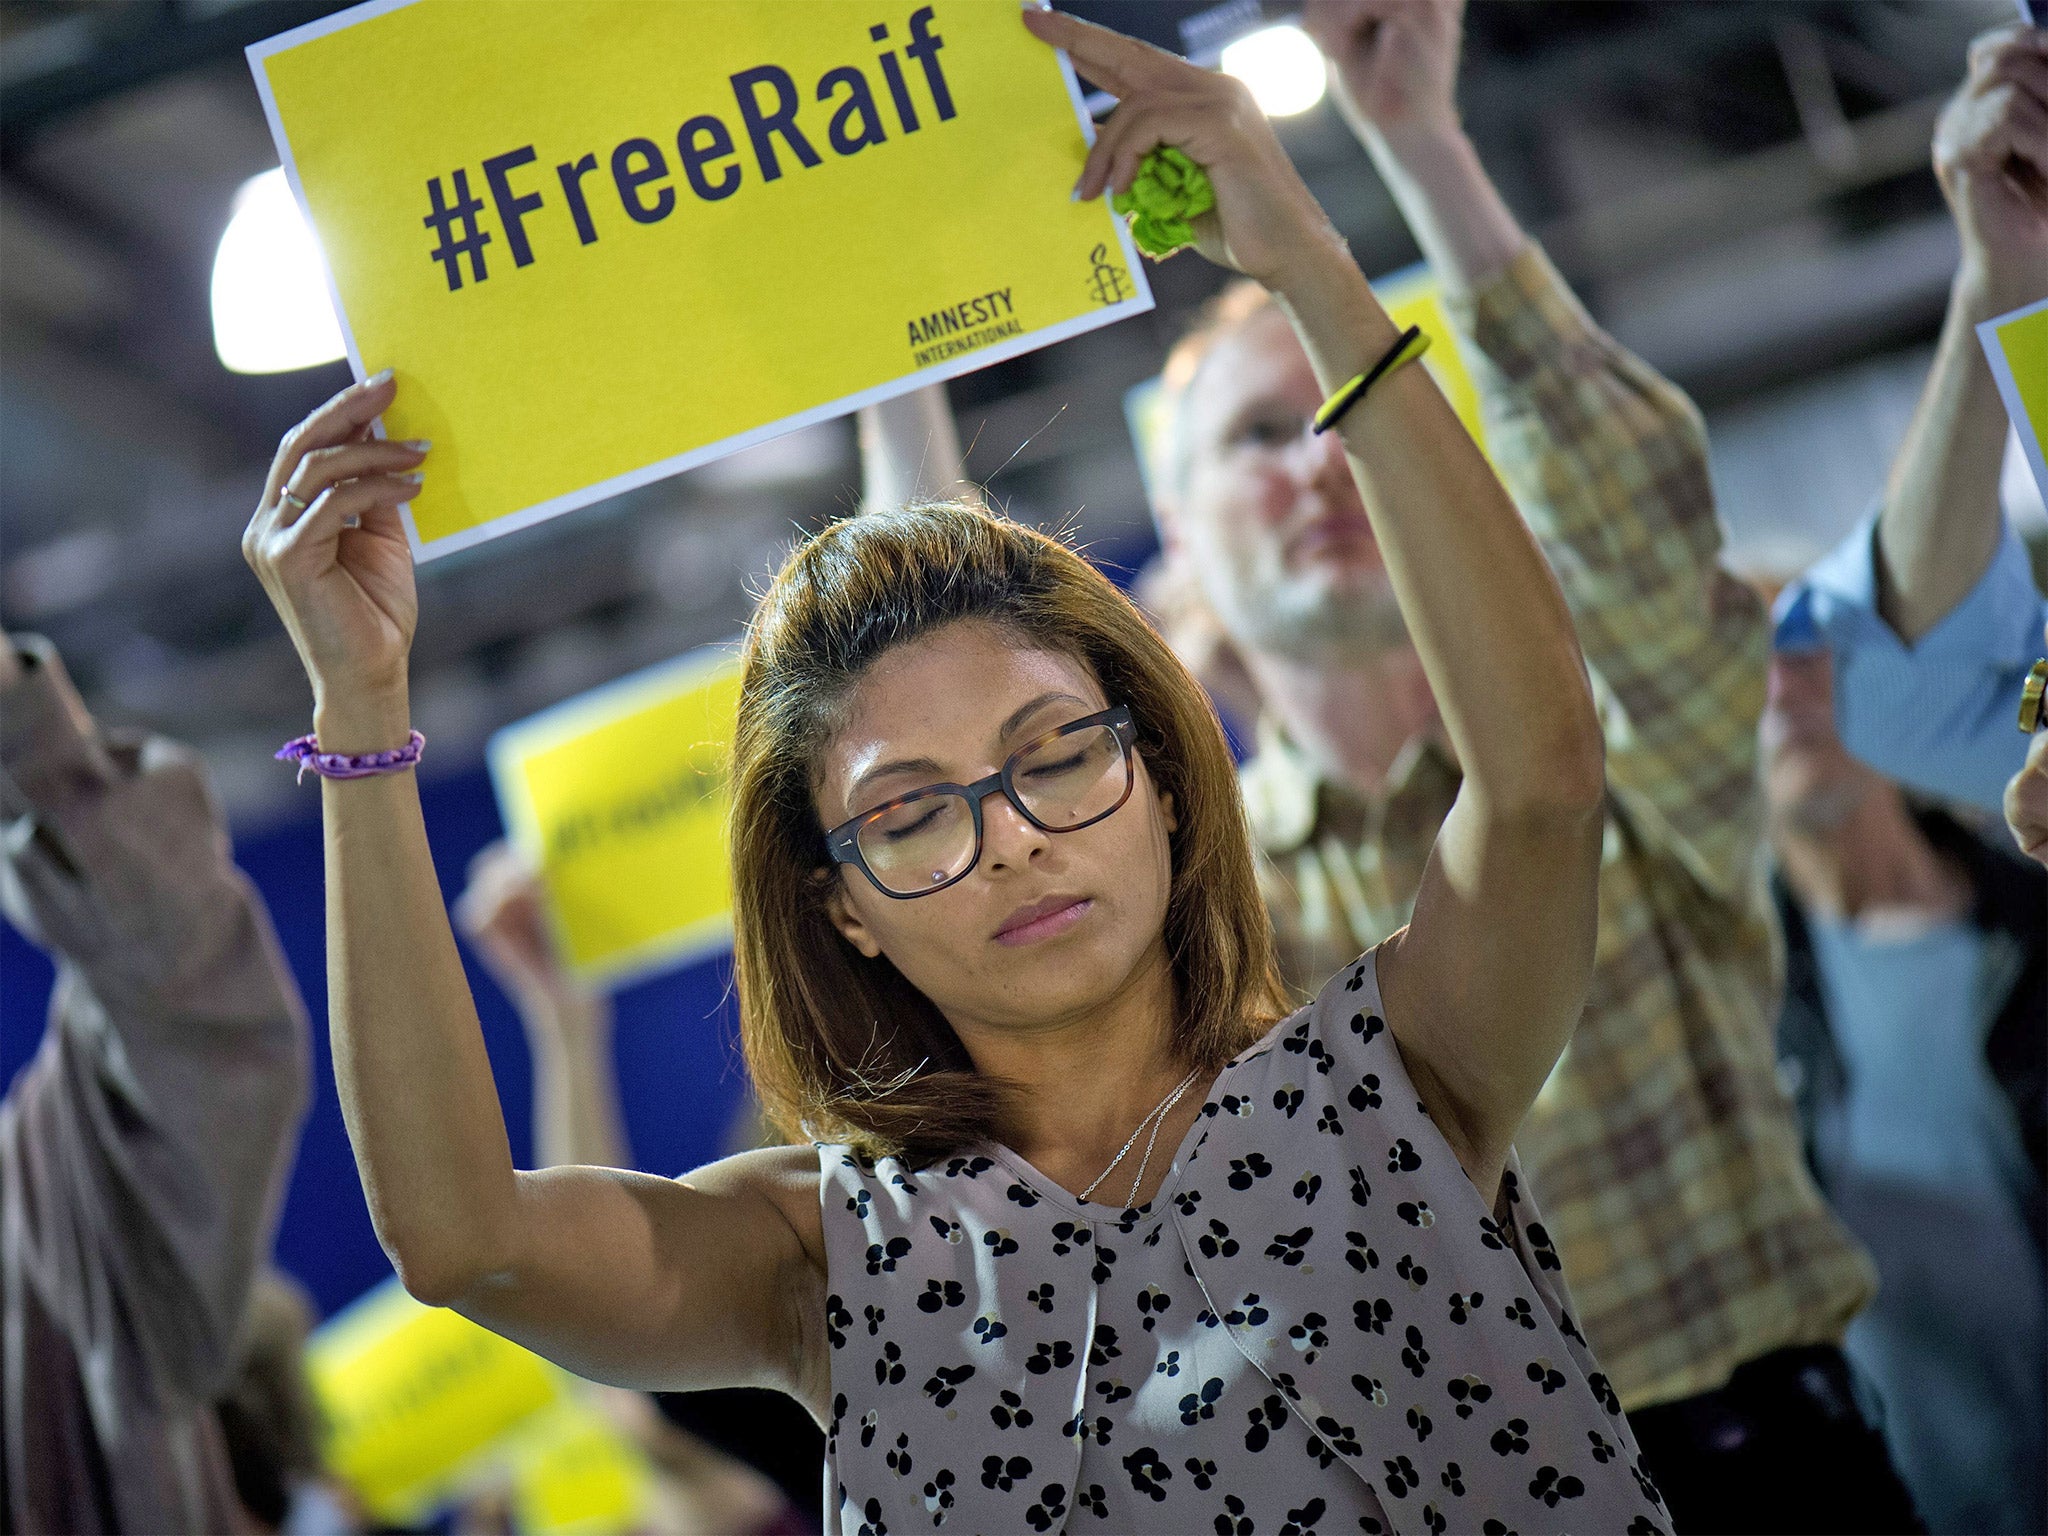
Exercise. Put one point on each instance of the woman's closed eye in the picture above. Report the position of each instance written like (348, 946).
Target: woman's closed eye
(909, 820)
(1060, 766)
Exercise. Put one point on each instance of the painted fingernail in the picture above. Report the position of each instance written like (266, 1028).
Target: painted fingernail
(414, 479)
(418, 444)
(383, 377)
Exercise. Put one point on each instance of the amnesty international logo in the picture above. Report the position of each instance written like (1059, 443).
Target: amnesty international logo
(1108, 283)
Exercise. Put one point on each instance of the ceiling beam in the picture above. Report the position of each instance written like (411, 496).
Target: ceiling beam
(1740, 196)
(51, 71)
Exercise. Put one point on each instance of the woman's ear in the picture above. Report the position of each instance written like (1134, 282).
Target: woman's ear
(843, 917)
(1166, 812)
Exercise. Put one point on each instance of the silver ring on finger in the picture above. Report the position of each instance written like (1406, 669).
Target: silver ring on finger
(294, 500)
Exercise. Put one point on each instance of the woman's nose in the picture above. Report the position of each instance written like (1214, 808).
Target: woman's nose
(1008, 839)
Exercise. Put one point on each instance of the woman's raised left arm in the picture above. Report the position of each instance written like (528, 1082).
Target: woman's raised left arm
(1487, 983)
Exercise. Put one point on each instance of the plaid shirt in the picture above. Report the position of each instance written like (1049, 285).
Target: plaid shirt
(1662, 1148)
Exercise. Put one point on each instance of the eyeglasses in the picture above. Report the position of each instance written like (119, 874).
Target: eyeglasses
(1067, 779)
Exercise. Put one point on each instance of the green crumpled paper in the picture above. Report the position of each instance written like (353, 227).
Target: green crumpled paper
(1170, 191)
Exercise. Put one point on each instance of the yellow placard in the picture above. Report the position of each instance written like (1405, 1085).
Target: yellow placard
(1412, 296)
(425, 1408)
(2017, 346)
(620, 799)
(604, 240)
(573, 1472)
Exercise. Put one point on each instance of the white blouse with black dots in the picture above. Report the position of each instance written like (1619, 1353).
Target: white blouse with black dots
(1315, 1327)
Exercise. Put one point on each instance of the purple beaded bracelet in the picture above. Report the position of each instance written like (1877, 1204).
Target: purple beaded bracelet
(343, 765)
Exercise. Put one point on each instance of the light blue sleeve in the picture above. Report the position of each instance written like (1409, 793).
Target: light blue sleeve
(1940, 716)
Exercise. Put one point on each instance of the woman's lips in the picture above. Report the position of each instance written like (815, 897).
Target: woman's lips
(1059, 920)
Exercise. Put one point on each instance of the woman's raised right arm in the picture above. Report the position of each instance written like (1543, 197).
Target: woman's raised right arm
(713, 1280)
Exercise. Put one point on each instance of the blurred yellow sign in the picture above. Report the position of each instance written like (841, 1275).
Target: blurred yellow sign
(1412, 297)
(602, 240)
(2017, 346)
(425, 1409)
(619, 797)
(1409, 296)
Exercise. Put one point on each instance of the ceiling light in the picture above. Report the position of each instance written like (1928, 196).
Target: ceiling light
(1282, 67)
(271, 310)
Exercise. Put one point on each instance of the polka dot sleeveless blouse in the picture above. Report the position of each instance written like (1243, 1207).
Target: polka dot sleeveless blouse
(1315, 1327)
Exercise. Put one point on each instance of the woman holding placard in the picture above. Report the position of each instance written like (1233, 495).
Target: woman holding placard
(1086, 1235)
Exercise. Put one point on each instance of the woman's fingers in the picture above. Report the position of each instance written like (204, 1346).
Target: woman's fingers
(334, 555)
(1197, 121)
(325, 467)
(1111, 149)
(1141, 133)
(1161, 100)
(336, 422)
(383, 518)
(1126, 136)
(1116, 63)
(368, 501)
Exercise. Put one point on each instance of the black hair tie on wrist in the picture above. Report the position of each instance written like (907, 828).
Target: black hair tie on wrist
(1408, 346)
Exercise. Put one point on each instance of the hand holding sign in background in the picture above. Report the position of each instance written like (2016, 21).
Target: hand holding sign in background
(2016, 346)
(1991, 158)
(425, 1409)
(604, 241)
(619, 799)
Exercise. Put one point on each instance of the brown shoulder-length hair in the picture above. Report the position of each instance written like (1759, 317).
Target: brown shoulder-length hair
(841, 1047)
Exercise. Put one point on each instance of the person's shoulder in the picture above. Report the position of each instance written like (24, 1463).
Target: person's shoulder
(1349, 1002)
(794, 1157)
(776, 1171)
(784, 1179)
(1345, 1035)
(1332, 1038)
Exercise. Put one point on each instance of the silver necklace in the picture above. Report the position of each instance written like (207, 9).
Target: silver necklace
(1155, 1119)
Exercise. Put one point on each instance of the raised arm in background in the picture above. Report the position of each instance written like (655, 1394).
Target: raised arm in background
(910, 451)
(1485, 986)
(1605, 458)
(624, 1278)
(1395, 66)
(1933, 616)
(568, 1022)
(1941, 524)
(143, 1151)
